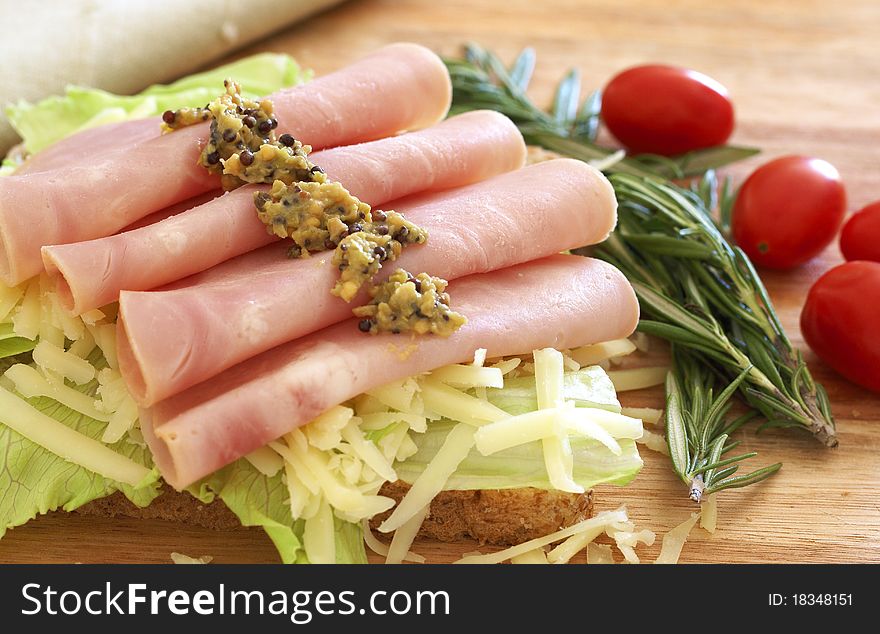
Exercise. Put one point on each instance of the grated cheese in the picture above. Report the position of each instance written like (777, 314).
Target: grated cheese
(180, 558)
(641, 341)
(589, 422)
(55, 359)
(92, 317)
(112, 390)
(645, 414)
(453, 404)
(381, 548)
(265, 461)
(537, 556)
(564, 552)
(709, 515)
(399, 395)
(479, 358)
(508, 365)
(83, 346)
(654, 442)
(638, 378)
(365, 404)
(9, 298)
(121, 421)
(599, 554)
(30, 383)
(330, 467)
(405, 536)
(674, 541)
(26, 320)
(468, 376)
(381, 420)
(591, 355)
(319, 536)
(105, 339)
(367, 451)
(67, 443)
(342, 497)
(325, 431)
(604, 519)
(558, 459)
(299, 494)
(430, 482)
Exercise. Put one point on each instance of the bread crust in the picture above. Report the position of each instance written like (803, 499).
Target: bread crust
(501, 517)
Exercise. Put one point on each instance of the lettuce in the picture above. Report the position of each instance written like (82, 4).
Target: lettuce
(52, 119)
(258, 500)
(521, 466)
(524, 465)
(587, 387)
(11, 345)
(34, 480)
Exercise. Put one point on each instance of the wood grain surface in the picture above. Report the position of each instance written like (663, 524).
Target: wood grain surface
(804, 77)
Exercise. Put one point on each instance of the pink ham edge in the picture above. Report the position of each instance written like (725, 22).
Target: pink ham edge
(461, 150)
(170, 340)
(561, 301)
(401, 86)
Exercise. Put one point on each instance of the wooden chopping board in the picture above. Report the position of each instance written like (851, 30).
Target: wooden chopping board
(804, 77)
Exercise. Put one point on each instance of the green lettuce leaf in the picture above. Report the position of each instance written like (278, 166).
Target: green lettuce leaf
(52, 119)
(587, 387)
(12, 345)
(258, 500)
(34, 480)
(523, 466)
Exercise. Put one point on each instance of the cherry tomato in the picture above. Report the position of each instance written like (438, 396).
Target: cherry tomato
(788, 210)
(666, 110)
(839, 321)
(860, 238)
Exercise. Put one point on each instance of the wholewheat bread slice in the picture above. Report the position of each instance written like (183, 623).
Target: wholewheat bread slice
(501, 517)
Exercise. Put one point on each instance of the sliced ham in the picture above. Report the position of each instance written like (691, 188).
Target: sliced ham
(173, 210)
(402, 86)
(461, 150)
(562, 301)
(99, 140)
(171, 340)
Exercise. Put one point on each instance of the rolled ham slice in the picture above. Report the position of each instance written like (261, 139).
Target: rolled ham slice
(399, 87)
(461, 150)
(562, 301)
(170, 340)
(110, 137)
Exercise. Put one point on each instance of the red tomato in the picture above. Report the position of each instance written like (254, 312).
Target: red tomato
(666, 110)
(788, 210)
(839, 321)
(860, 238)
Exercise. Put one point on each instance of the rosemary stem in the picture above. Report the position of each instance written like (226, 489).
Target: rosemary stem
(695, 492)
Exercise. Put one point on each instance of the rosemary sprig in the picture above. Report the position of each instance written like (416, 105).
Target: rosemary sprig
(696, 289)
(698, 431)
